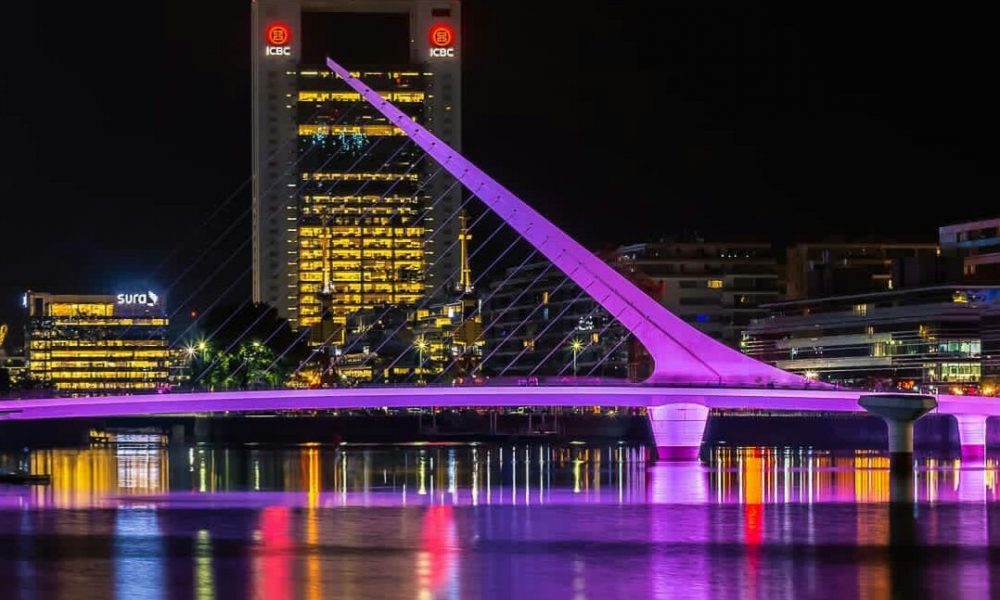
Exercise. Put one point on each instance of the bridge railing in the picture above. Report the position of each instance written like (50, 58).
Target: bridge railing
(507, 382)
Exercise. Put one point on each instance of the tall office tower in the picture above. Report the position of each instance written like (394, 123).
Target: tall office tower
(338, 194)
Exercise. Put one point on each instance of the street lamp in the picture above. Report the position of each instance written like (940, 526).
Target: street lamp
(421, 345)
(576, 345)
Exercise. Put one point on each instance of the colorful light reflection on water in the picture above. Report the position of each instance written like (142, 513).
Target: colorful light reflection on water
(457, 521)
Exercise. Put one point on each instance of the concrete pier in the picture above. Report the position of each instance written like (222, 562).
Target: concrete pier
(899, 412)
(678, 430)
(972, 437)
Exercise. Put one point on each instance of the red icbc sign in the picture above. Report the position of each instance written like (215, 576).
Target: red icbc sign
(442, 38)
(278, 34)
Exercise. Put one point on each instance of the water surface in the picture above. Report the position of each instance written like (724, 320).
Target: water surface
(466, 521)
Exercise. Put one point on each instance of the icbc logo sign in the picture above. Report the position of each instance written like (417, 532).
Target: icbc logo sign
(442, 38)
(278, 37)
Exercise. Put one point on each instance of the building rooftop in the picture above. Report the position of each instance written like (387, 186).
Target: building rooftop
(877, 295)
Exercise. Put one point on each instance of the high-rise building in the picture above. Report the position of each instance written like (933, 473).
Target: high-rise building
(717, 287)
(435, 341)
(98, 344)
(347, 215)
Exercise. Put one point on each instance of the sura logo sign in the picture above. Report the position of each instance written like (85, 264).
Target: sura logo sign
(279, 39)
(140, 299)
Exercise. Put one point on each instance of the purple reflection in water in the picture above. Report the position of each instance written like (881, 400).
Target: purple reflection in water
(491, 521)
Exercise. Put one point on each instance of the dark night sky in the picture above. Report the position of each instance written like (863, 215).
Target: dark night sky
(121, 130)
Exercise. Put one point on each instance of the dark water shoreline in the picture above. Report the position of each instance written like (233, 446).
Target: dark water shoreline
(935, 433)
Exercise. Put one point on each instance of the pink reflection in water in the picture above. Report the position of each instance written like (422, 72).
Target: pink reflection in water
(436, 560)
(272, 556)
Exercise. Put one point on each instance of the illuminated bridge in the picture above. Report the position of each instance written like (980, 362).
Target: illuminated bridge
(692, 373)
(677, 414)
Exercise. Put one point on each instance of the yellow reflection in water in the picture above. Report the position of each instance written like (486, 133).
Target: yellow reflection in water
(204, 582)
(310, 460)
(84, 477)
(871, 478)
(770, 475)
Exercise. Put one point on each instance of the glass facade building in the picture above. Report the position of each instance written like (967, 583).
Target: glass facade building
(361, 221)
(939, 339)
(98, 344)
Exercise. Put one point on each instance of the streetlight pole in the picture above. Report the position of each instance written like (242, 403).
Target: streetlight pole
(576, 345)
(421, 345)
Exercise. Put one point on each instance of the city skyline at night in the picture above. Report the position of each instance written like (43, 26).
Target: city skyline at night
(703, 79)
(479, 299)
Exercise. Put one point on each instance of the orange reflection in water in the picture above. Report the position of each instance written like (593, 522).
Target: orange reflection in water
(752, 476)
(310, 459)
(871, 478)
(753, 497)
(772, 475)
(871, 485)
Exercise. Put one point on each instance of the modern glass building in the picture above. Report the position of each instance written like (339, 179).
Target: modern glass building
(339, 197)
(85, 344)
(933, 339)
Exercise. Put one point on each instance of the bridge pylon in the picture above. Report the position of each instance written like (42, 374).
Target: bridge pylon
(681, 354)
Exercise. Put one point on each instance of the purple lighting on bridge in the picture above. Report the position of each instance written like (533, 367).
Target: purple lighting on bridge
(693, 373)
(972, 434)
(677, 414)
(678, 429)
(681, 353)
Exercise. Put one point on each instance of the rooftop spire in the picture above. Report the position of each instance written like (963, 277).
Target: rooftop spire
(464, 284)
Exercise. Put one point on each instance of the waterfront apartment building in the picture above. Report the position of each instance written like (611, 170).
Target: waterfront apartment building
(835, 268)
(977, 245)
(717, 287)
(347, 216)
(98, 344)
(540, 323)
(934, 339)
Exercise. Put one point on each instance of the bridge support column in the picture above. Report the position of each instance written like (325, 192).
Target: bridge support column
(678, 430)
(972, 436)
(899, 412)
(202, 429)
(177, 434)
